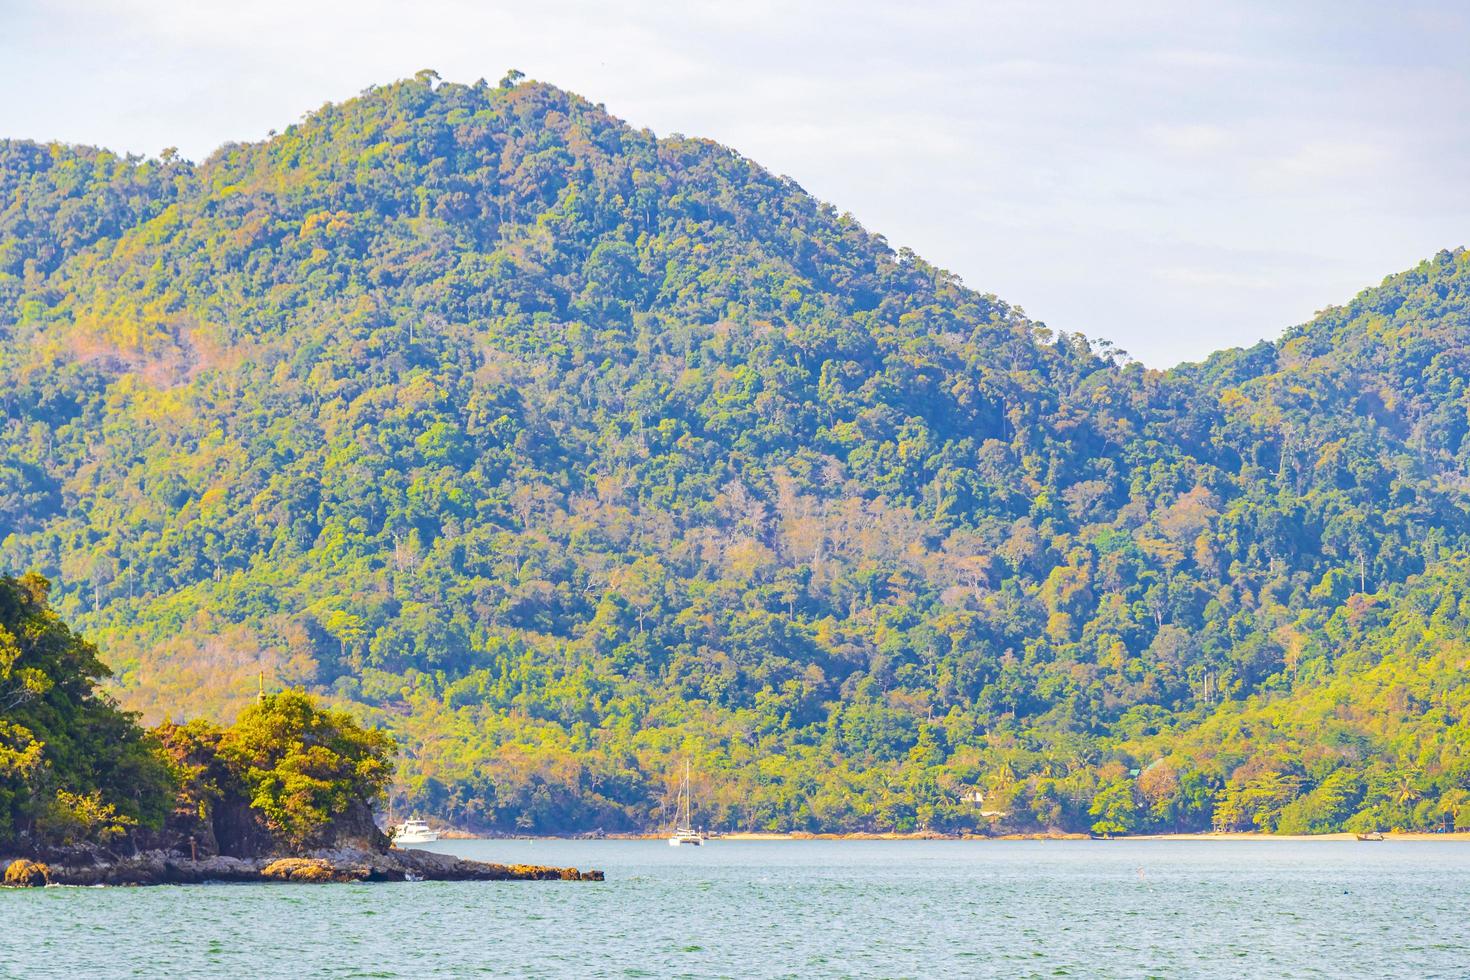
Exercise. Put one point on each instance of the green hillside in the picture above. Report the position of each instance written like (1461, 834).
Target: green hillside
(566, 452)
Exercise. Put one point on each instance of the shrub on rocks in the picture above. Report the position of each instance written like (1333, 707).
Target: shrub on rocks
(310, 871)
(27, 874)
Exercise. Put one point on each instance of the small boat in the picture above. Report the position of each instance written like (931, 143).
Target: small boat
(414, 831)
(1371, 835)
(685, 834)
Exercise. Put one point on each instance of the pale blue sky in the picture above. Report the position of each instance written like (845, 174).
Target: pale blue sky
(1173, 176)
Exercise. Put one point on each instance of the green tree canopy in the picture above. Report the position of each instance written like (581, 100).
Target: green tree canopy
(72, 766)
(566, 452)
(306, 767)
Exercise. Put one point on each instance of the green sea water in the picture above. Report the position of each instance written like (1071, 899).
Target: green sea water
(797, 909)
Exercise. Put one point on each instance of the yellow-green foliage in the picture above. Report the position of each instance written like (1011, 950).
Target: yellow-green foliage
(74, 818)
(304, 767)
(74, 770)
(307, 870)
(568, 453)
(72, 767)
(22, 873)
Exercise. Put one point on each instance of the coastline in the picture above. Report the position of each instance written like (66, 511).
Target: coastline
(335, 866)
(1388, 835)
(1195, 836)
(801, 835)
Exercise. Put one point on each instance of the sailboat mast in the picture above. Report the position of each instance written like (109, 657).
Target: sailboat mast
(684, 832)
(686, 792)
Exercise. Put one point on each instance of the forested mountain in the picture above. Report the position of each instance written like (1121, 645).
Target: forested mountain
(566, 451)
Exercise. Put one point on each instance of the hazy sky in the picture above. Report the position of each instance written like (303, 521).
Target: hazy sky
(1173, 176)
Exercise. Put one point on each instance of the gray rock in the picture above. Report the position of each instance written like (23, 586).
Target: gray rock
(328, 865)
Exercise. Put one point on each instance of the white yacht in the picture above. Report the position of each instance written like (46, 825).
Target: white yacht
(684, 833)
(414, 831)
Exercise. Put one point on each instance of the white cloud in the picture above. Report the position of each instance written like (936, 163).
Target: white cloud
(1190, 139)
(1212, 278)
(1317, 161)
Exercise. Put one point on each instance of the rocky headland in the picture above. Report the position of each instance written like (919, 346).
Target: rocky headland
(335, 865)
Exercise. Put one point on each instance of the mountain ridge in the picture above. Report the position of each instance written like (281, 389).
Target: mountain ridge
(503, 421)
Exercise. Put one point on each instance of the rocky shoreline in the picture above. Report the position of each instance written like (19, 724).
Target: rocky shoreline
(316, 867)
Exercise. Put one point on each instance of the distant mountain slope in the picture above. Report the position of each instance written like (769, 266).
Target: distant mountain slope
(569, 451)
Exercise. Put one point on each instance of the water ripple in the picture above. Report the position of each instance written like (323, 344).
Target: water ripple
(796, 909)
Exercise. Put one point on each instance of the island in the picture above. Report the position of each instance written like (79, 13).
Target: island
(287, 793)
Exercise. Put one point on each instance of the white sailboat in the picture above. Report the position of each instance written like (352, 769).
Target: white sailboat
(684, 833)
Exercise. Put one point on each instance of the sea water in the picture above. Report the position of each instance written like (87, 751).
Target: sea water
(797, 909)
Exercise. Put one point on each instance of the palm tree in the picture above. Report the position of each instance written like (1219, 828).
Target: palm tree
(1452, 804)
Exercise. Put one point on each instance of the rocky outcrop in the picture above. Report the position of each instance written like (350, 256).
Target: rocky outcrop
(314, 871)
(430, 866)
(26, 874)
(319, 867)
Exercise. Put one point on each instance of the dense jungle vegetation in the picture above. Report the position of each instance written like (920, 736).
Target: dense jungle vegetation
(565, 452)
(78, 772)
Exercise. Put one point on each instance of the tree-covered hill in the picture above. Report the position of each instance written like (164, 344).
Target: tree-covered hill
(568, 451)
